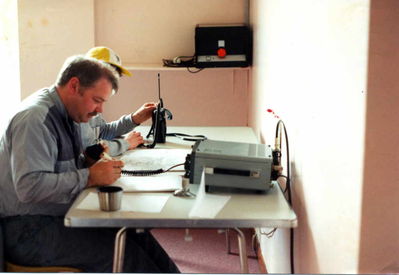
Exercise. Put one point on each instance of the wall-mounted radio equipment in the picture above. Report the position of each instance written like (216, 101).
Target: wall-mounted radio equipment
(223, 46)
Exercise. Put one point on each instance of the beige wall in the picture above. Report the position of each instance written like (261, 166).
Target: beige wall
(210, 98)
(142, 32)
(147, 31)
(9, 56)
(379, 237)
(310, 67)
(49, 32)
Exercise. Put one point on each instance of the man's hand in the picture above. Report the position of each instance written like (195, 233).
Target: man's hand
(104, 172)
(134, 139)
(144, 112)
(91, 153)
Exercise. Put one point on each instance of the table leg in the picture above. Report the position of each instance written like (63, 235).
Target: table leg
(242, 248)
(228, 245)
(119, 250)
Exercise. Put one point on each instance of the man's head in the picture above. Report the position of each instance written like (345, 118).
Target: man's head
(109, 56)
(84, 84)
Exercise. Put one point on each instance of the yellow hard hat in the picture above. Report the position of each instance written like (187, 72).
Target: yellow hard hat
(107, 55)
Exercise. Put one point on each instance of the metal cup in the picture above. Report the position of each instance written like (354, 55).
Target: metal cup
(110, 197)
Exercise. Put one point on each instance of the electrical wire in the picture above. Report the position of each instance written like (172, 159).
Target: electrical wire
(144, 173)
(270, 233)
(174, 166)
(194, 72)
(282, 176)
(187, 137)
(189, 63)
(287, 187)
(288, 177)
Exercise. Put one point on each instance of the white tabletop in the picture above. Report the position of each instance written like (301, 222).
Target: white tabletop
(242, 210)
(227, 133)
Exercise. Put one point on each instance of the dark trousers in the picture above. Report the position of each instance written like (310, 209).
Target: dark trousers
(45, 241)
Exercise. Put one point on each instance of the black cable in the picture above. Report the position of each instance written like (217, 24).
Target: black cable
(95, 151)
(187, 137)
(189, 63)
(174, 166)
(193, 72)
(144, 173)
(288, 177)
(288, 189)
(271, 233)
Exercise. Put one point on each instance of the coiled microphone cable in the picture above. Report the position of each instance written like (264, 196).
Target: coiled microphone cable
(97, 150)
(143, 173)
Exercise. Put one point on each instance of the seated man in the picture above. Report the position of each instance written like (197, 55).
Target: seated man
(43, 171)
(97, 128)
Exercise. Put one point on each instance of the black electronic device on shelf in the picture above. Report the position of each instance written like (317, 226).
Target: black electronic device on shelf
(227, 45)
(159, 117)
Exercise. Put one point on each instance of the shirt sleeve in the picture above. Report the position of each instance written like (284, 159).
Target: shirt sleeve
(117, 146)
(116, 128)
(35, 161)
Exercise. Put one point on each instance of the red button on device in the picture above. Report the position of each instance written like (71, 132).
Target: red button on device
(221, 52)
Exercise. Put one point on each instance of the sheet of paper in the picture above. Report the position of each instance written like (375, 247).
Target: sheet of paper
(207, 205)
(148, 203)
(161, 183)
(153, 159)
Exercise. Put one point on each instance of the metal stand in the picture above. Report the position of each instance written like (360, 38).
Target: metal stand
(242, 248)
(228, 245)
(119, 250)
(185, 190)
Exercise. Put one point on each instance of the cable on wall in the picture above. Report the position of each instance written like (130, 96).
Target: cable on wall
(279, 128)
(182, 61)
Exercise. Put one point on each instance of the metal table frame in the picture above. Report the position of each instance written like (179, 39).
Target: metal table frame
(119, 250)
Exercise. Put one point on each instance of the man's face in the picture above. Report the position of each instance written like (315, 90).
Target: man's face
(89, 102)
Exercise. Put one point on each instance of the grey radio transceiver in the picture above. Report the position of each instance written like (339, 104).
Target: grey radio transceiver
(231, 165)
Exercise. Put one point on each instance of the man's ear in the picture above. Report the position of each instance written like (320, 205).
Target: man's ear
(73, 85)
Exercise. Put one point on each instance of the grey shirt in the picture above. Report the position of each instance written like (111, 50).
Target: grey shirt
(97, 128)
(41, 158)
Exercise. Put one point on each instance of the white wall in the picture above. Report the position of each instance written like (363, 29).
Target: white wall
(310, 67)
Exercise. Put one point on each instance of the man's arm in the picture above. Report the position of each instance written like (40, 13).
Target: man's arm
(126, 123)
(46, 168)
(118, 146)
(115, 128)
(97, 129)
(43, 166)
